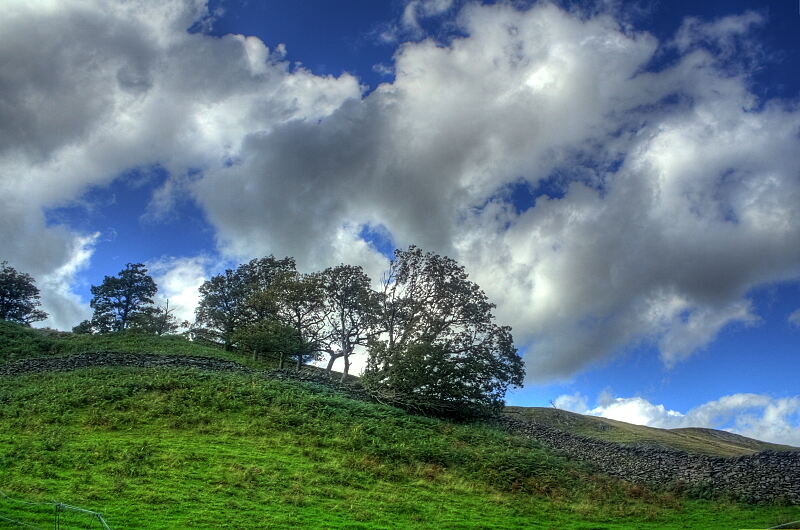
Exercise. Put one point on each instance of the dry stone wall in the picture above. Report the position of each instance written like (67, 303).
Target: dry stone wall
(761, 477)
(140, 360)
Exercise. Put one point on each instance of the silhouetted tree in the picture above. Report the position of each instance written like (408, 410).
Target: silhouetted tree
(441, 349)
(19, 297)
(121, 299)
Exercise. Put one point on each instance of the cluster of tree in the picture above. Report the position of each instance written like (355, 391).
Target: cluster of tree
(430, 334)
(268, 308)
(429, 331)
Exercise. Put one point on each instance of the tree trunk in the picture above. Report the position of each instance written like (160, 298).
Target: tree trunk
(280, 362)
(332, 360)
(346, 368)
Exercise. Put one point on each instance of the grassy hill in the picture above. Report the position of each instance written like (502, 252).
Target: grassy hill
(182, 447)
(692, 440)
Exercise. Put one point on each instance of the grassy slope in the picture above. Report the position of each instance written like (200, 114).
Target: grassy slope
(19, 342)
(170, 448)
(693, 440)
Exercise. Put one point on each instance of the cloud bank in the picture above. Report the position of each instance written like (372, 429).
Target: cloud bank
(753, 415)
(664, 189)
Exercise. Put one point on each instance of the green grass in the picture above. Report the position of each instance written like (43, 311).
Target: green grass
(180, 448)
(177, 448)
(702, 441)
(21, 342)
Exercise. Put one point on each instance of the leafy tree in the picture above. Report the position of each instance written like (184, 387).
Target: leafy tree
(156, 320)
(352, 313)
(85, 327)
(270, 338)
(221, 305)
(441, 349)
(298, 302)
(19, 297)
(121, 299)
(228, 301)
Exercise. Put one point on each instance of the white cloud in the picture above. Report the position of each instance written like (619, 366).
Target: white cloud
(179, 281)
(64, 307)
(794, 318)
(575, 403)
(756, 416)
(679, 187)
(420, 9)
(111, 86)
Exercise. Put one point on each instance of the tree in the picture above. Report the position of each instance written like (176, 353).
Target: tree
(441, 349)
(121, 299)
(227, 301)
(155, 320)
(298, 302)
(269, 338)
(19, 297)
(352, 313)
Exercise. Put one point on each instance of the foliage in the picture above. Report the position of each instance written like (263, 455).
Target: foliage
(122, 300)
(352, 313)
(19, 297)
(226, 300)
(157, 320)
(441, 348)
(22, 342)
(298, 302)
(270, 339)
(240, 451)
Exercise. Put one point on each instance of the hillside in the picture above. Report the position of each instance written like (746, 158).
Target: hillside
(213, 443)
(693, 440)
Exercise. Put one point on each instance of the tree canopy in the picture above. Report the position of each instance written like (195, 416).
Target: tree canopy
(229, 303)
(122, 300)
(430, 333)
(19, 297)
(441, 348)
(352, 313)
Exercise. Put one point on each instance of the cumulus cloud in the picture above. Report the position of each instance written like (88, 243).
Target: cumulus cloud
(794, 318)
(112, 86)
(756, 416)
(179, 281)
(420, 9)
(672, 193)
(409, 27)
(677, 189)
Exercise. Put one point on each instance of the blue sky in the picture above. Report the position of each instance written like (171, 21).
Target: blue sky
(620, 177)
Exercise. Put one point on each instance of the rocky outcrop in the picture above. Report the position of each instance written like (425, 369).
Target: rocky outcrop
(761, 477)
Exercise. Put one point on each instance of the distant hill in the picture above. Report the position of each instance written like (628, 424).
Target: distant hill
(692, 440)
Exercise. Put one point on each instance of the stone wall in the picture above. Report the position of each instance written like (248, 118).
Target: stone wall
(761, 477)
(140, 360)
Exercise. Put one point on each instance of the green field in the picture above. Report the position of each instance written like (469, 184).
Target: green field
(183, 448)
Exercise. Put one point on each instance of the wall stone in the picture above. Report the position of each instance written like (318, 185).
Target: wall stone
(767, 476)
(140, 360)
